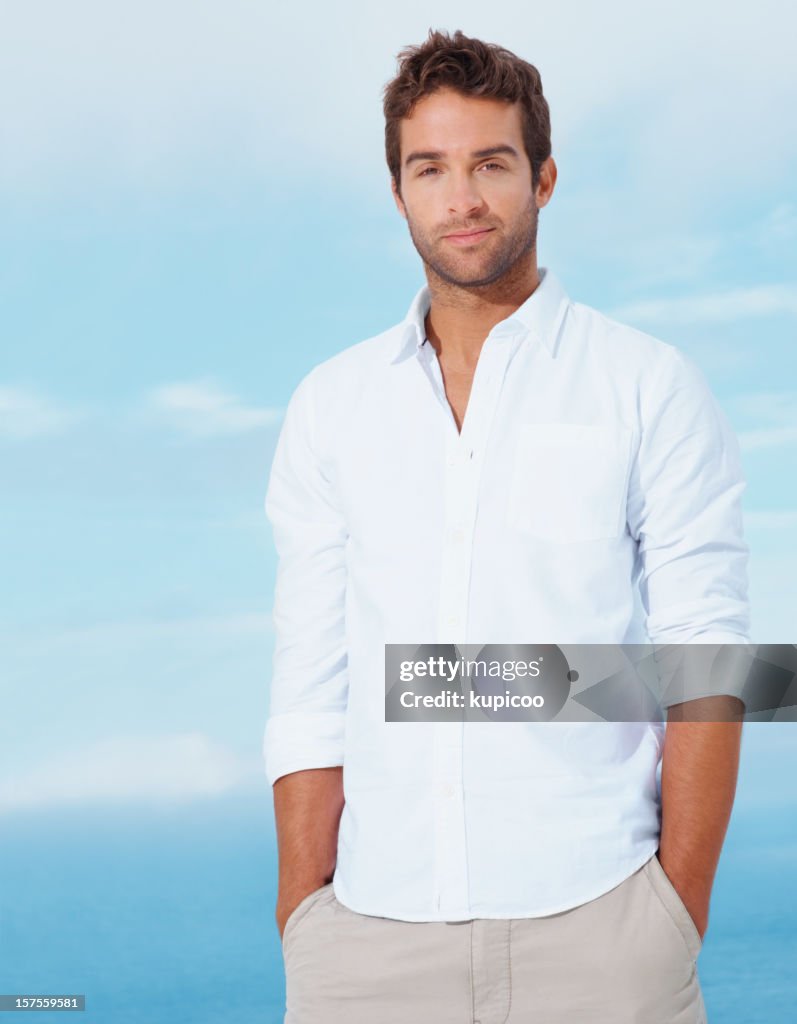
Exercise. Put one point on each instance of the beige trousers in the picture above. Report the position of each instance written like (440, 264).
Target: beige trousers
(627, 957)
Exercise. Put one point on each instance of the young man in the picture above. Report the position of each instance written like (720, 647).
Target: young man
(504, 466)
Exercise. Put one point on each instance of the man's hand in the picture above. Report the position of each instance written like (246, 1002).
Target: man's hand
(307, 808)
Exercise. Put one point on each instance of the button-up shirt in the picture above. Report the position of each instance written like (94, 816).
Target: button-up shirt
(593, 495)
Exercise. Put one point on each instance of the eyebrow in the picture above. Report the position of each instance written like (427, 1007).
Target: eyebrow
(478, 154)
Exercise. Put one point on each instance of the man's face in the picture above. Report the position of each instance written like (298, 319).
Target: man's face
(464, 169)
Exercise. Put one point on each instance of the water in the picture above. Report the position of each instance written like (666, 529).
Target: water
(167, 915)
(155, 916)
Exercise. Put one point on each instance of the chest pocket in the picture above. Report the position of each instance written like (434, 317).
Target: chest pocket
(569, 481)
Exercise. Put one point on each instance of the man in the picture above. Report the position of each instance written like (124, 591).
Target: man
(505, 465)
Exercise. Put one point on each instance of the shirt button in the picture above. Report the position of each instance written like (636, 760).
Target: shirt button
(452, 620)
(458, 534)
(448, 791)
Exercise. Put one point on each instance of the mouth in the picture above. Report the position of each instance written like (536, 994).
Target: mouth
(468, 237)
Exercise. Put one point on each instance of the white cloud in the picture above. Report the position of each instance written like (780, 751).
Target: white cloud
(137, 635)
(152, 769)
(772, 520)
(767, 437)
(776, 407)
(714, 307)
(200, 408)
(773, 595)
(775, 416)
(141, 632)
(25, 414)
(279, 82)
(780, 224)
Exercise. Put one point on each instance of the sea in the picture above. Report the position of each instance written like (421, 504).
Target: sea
(166, 915)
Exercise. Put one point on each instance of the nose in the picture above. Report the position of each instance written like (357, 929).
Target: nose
(464, 198)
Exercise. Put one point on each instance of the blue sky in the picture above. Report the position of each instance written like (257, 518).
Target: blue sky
(196, 210)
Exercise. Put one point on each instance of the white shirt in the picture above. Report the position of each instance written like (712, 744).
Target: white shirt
(593, 496)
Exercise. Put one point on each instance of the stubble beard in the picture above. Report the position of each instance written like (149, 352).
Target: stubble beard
(499, 263)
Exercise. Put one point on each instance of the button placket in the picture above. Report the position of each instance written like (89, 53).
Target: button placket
(462, 472)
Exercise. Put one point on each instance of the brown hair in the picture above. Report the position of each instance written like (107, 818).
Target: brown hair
(472, 68)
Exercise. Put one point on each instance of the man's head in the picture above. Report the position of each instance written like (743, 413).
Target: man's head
(467, 138)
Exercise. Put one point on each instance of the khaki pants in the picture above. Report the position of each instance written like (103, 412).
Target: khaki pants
(627, 957)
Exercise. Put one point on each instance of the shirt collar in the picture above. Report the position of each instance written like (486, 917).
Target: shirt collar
(538, 318)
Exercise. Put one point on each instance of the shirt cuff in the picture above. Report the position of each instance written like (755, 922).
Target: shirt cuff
(713, 665)
(300, 740)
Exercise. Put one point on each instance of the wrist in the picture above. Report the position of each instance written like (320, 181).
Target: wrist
(693, 890)
(302, 881)
(289, 896)
(686, 872)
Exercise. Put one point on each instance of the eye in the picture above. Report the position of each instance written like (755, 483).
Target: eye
(493, 164)
(423, 172)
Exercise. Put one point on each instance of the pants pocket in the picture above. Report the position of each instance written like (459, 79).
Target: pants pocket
(300, 912)
(674, 905)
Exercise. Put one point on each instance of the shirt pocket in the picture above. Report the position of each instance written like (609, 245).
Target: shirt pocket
(569, 481)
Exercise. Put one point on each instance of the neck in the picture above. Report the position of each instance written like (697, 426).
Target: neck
(460, 318)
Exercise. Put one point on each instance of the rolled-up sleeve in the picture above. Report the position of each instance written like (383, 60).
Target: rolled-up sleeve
(309, 685)
(685, 512)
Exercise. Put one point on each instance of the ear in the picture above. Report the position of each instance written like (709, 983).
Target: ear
(397, 198)
(547, 182)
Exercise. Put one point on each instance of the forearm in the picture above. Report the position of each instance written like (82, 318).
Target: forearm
(700, 764)
(307, 809)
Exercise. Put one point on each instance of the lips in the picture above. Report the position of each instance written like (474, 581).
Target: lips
(469, 234)
(468, 237)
